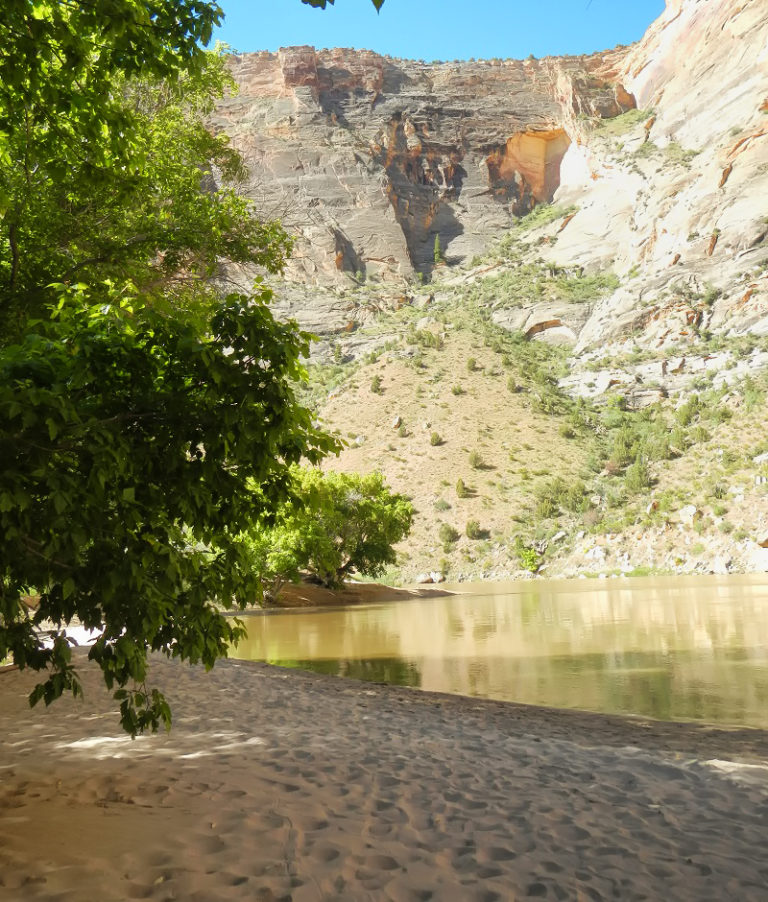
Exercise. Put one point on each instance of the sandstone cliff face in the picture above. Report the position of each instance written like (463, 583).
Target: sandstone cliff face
(680, 201)
(369, 159)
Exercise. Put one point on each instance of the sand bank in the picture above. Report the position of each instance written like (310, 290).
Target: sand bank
(308, 595)
(280, 785)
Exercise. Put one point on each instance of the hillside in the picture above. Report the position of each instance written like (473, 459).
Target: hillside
(572, 377)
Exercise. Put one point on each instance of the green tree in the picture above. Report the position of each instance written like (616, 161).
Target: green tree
(321, 4)
(144, 420)
(438, 250)
(131, 440)
(331, 525)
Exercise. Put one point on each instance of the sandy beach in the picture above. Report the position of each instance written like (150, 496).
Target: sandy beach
(278, 785)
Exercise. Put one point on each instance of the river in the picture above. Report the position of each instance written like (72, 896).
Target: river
(670, 647)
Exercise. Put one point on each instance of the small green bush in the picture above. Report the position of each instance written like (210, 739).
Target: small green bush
(528, 557)
(438, 250)
(461, 489)
(637, 476)
(476, 460)
(448, 535)
(546, 508)
(457, 390)
(688, 412)
(376, 384)
(473, 530)
(624, 447)
(699, 434)
(436, 439)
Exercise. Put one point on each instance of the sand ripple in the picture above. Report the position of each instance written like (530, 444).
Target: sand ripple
(284, 786)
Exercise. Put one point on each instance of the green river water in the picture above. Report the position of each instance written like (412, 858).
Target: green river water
(672, 648)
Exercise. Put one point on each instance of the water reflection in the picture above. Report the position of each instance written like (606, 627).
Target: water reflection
(672, 648)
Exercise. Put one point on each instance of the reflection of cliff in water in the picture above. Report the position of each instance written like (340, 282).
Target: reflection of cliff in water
(672, 648)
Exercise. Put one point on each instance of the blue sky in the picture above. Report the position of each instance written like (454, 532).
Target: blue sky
(441, 29)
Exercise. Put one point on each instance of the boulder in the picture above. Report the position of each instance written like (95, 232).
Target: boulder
(689, 515)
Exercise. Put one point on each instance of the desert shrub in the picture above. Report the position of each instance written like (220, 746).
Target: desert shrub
(425, 338)
(442, 505)
(615, 497)
(754, 395)
(699, 434)
(637, 476)
(546, 508)
(528, 557)
(543, 214)
(437, 253)
(376, 384)
(676, 153)
(657, 445)
(624, 447)
(435, 439)
(575, 497)
(473, 530)
(547, 401)
(461, 489)
(457, 390)
(619, 125)
(557, 494)
(688, 412)
(645, 150)
(471, 365)
(476, 460)
(448, 535)
(678, 439)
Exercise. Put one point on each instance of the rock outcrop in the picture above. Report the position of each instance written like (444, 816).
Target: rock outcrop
(677, 204)
(369, 159)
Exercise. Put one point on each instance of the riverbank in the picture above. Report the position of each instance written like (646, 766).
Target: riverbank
(310, 595)
(275, 784)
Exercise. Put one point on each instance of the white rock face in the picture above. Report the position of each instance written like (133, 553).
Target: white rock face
(679, 201)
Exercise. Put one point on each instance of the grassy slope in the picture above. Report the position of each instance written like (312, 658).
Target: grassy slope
(547, 465)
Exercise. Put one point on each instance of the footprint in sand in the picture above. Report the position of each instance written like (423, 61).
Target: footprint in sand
(326, 854)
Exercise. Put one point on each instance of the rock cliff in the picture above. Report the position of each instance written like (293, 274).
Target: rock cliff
(370, 159)
(680, 201)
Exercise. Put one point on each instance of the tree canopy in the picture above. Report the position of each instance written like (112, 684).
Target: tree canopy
(330, 525)
(321, 4)
(144, 419)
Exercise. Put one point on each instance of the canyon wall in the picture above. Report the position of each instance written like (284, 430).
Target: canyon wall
(368, 159)
(678, 205)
